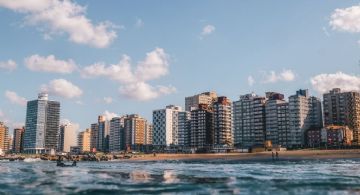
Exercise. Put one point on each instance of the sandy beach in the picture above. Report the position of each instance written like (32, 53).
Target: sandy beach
(283, 155)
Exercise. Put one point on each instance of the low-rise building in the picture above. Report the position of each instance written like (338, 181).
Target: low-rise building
(335, 135)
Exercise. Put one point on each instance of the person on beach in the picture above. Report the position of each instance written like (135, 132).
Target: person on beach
(277, 155)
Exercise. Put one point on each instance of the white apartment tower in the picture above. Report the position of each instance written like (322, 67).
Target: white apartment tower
(170, 126)
(277, 123)
(304, 113)
(249, 121)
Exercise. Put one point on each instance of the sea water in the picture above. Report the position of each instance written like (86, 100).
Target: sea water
(183, 177)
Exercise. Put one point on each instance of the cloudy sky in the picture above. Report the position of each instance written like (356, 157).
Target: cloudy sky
(134, 56)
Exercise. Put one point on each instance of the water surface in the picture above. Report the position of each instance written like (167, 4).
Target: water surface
(183, 177)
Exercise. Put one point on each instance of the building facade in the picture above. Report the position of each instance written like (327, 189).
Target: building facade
(103, 134)
(193, 102)
(67, 137)
(42, 125)
(84, 140)
(249, 121)
(135, 130)
(343, 108)
(116, 139)
(184, 118)
(277, 122)
(202, 127)
(18, 140)
(223, 131)
(4, 137)
(94, 136)
(304, 113)
(166, 126)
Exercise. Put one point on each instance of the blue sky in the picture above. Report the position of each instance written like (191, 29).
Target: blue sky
(177, 49)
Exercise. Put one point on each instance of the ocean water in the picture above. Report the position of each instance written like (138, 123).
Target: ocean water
(183, 177)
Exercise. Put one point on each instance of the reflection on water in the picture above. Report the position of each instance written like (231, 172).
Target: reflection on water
(183, 177)
(170, 177)
(140, 176)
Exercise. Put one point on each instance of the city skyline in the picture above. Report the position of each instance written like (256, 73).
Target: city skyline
(233, 53)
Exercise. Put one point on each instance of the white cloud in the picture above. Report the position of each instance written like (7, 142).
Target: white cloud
(109, 115)
(324, 82)
(134, 80)
(119, 72)
(139, 23)
(49, 64)
(62, 88)
(108, 100)
(346, 20)
(250, 80)
(154, 66)
(207, 30)
(273, 77)
(15, 98)
(142, 91)
(9, 65)
(64, 16)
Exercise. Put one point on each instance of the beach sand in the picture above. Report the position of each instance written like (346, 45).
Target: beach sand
(283, 155)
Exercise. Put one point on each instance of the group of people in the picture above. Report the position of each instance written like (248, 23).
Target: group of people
(275, 155)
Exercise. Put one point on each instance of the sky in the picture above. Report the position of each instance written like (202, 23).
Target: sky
(131, 56)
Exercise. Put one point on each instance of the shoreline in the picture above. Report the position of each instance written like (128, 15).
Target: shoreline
(305, 154)
(260, 156)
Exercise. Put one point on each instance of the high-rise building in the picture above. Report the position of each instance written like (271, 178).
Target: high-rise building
(166, 126)
(67, 137)
(4, 137)
(277, 122)
(184, 128)
(202, 127)
(149, 134)
(42, 125)
(343, 108)
(84, 139)
(304, 113)
(116, 142)
(94, 136)
(193, 102)
(249, 121)
(103, 134)
(135, 129)
(222, 112)
(18, 140)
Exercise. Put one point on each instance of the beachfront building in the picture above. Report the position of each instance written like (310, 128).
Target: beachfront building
(335, 135)
(343, 108)
(67, 137)
(222, 113)
(94, 136)
(4, 137)
(84, 140)
(170, 126)
(134, 131)
(277, 123)
(103, 134)
(304, 113)
(202, 127)
(149, 134)
(116, 138)
(184, 128)
(42, 125)
(18, 140)
(249, 121)
(193, 102)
